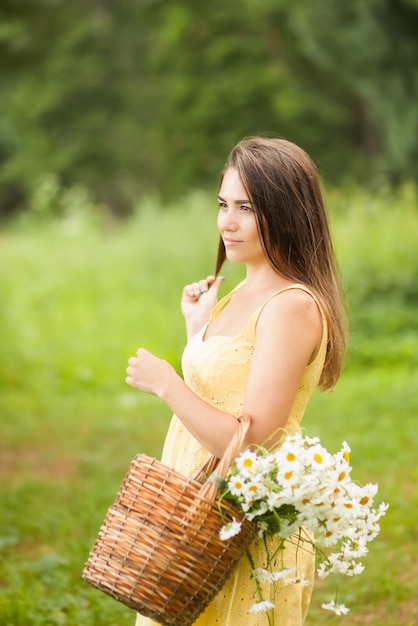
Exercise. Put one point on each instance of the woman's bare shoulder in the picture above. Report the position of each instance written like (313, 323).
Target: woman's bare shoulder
(295, 309)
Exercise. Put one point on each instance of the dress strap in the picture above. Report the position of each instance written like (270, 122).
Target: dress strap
(249, 329)
(224, 301)
(252, 323)
(300, 286)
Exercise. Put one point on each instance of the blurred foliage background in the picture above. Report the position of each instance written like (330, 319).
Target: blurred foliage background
(114, 109)
(128, 98)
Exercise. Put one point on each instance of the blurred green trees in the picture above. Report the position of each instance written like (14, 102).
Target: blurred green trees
(126, 98)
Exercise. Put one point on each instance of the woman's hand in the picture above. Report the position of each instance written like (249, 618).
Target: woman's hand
(198, 299)
(148, 373)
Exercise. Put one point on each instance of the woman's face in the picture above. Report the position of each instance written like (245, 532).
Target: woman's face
(237, 223)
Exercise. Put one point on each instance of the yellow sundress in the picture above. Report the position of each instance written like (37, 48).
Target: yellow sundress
(217, 369)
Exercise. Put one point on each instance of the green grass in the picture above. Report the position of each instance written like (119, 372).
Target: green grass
(77, 298)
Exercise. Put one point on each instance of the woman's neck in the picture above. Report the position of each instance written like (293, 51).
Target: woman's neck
(264, 278)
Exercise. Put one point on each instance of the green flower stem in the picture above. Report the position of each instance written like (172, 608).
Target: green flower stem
(270, 612)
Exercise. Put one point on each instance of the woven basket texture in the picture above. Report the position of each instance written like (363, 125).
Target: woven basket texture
(158, 550)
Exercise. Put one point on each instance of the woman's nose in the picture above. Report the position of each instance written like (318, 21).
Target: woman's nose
(227, 220)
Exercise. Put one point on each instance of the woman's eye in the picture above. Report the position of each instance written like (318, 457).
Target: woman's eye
(222, 205)
(246, 208)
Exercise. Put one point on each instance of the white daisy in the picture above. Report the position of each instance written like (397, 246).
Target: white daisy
(230, 530)
(247, 463)
(261, 607)
(338, 609)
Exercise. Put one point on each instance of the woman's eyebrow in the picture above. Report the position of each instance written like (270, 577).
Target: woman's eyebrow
(236, 201)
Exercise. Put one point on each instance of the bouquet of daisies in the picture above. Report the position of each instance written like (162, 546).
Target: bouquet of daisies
(302, 487)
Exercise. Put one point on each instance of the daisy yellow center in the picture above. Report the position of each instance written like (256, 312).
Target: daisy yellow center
(318, 458)
(346, 456)
(364, 500)
(288, 475)
(248, 462)
(290, 456)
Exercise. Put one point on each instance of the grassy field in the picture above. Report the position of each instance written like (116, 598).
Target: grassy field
(79, 294)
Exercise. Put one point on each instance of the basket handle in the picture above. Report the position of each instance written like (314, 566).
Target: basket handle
(210, 489)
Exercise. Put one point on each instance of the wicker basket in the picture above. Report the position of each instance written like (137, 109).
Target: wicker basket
(158, 550)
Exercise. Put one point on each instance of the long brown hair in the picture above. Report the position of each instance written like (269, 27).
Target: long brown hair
(283, 186)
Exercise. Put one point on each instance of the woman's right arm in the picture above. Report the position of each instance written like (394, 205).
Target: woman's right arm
(288, 334)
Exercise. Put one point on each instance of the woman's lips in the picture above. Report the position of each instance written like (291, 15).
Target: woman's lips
(231, 242)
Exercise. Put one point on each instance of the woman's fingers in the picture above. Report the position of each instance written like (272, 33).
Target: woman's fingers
(195, 290)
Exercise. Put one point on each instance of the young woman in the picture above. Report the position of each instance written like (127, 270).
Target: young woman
(261, 350)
